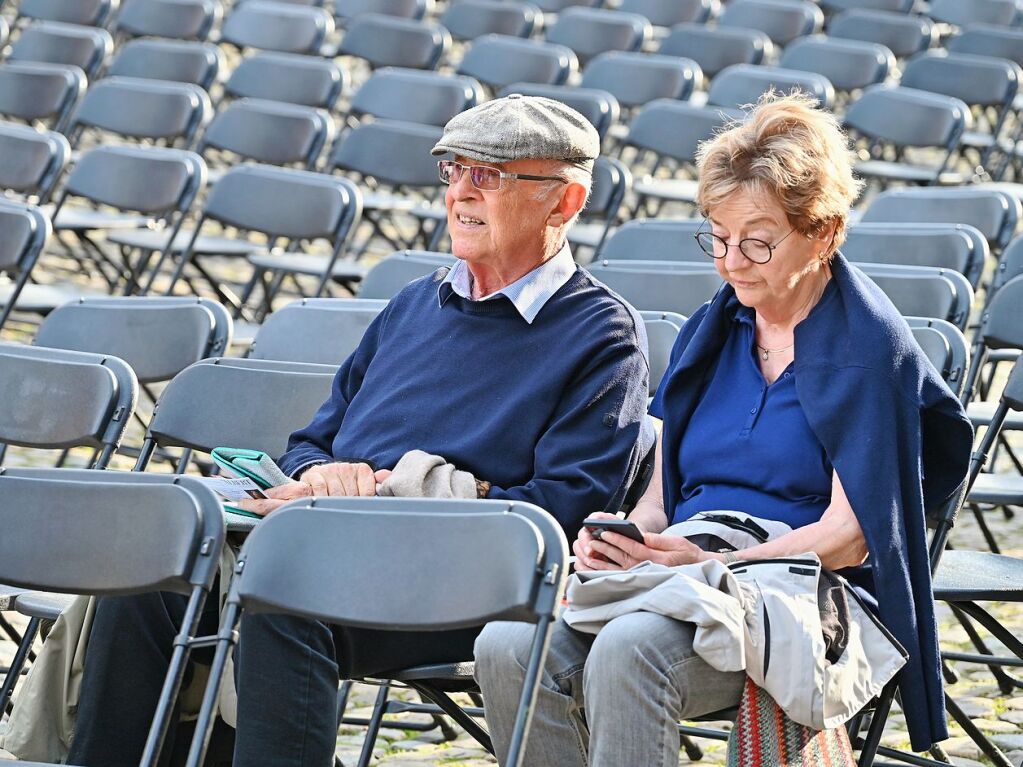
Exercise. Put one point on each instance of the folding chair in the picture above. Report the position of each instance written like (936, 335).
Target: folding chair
(499, 60)
(658, 286)
(33, 161)
(41, 92)
(307, 80)
(896, 6)
(598, 106)
(636, 79)
(415, 96)
(742, 84)
(346, 10)
(611, 182)
(662, 330)
(175, 60)
(716, 48)
(668, 13)
(901, 33)
(655, 239)
(922, 291)
(169, 533)
(592, 31)
(512, 561)
(962, 12)
(90, 13)
(56, 43)
(323, 331)
(470, 19)
(557, 6)
(278, 27)
(849, 65)
(24, 230)
(988, 40)
(783, 21)
(394, 272)
(176, 19)
(389, 41)
(890, 119)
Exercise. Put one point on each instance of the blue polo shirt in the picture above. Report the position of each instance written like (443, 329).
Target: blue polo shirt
(748, 446)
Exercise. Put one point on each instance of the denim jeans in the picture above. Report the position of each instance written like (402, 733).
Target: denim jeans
(286, 671)
(608, 700)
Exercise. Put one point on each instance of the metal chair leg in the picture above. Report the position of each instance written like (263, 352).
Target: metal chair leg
(374, 726)
(20, 657)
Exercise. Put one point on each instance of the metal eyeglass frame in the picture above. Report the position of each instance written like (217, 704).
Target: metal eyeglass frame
(727, 244)
(501, 175)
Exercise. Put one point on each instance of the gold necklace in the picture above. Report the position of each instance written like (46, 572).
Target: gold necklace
(766, 353)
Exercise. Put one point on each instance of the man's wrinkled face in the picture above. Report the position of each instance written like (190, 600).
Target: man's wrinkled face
(507, 223)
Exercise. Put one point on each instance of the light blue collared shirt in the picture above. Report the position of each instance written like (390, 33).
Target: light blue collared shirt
(529, 293)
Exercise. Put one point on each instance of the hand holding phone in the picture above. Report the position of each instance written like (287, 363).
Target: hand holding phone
(598, 525)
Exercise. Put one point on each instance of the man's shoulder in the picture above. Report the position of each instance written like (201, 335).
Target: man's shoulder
(599, 302)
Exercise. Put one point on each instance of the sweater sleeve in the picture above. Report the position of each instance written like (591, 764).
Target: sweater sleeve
(592, 447)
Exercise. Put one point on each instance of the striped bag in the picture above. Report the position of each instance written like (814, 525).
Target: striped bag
(764, 737)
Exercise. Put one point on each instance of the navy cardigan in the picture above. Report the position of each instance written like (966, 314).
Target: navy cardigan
(895, 433)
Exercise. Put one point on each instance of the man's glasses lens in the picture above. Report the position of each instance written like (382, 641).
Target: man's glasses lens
(481, 177)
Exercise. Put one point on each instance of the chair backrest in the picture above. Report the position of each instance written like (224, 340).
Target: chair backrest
(178, 19)
(58, 525)
(415, 96)
(175, 60)
(290, 77)
(1002, 321)
(90, 13)
(499, 60)
(24, 230)
(55, 399)
(897, 6)
(661, 331)
(675, 129)
(270, 132)
(962, 12)
(989, 40)
(959, 247)
(592, 31)
(38, 91)
(407, 9)
(994, 213)
(598, 106)
(392, 152)
(389, 41)
(905, 117)
(743, 84)
(511, 562)
(394, 272)
(255, 404)
(656, 240)
(318, 330)
(56, 43)
(848, 64)
(157, 336)
(781, 20)
(32, 160)
(668, 13)
(612, 180)
(902, 33)
(142, 109)
(635, 79)
(658, 287)
(978, 80)
(1010, 265)
(716, 48)
(946, 348)
(923, 291)
(469, 19)
(144, 179)
(277, 27)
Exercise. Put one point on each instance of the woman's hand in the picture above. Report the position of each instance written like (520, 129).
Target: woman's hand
(275, 498)
(622, 553)
(586, 559)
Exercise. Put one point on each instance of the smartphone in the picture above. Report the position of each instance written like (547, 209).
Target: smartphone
(597, 525)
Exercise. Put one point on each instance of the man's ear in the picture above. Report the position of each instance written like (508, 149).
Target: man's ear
(573, 198)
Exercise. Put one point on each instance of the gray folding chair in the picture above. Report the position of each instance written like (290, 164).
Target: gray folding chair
(394, 272)
(323, 331)
(611, 183)
(179, 61)
(849, 65)
(668, 13)
(24, 230)
(897, 6)
(656, 239)
(716, 48)
(946, 348)
(901, 33)
(177, 19)
(598, 106)
(415, 96)
(659, 286)
(889, 120)
(346, 10)
(662, 330)
(90, 13)
(959, 247)
(279, 27)
(388, 41)
(592, 31)
(33, 161)
(635, 79)
(290, 77)
(742, 84)
(557, 6)
(923, 291)
(962, 12)
(47, 93)
(499, 60)
(56, 43)
(470, 19)
(515, 569)
(169, 533)
(989, 40)
(781, 20)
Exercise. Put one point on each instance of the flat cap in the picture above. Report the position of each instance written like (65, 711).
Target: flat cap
(519, 127)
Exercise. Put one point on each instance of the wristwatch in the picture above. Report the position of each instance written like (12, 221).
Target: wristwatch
(730, 557)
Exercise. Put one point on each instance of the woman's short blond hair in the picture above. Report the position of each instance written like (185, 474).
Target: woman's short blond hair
(790, 149)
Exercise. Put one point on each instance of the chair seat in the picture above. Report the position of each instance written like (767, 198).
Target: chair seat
(41, 299)
(1003, 355)
(396, 203)
(675, 189)
(8, 595)
(965, 576)
(901, 171)
(587, 235)
(446, 677)
(998, 489)
(980, 414)
(205, 245)
(41, 604)
(308, 263)
(75, 219)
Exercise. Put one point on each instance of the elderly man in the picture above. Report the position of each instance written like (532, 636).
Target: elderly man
(515, 367)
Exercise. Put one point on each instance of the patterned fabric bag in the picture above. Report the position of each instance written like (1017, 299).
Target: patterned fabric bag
(764, 737)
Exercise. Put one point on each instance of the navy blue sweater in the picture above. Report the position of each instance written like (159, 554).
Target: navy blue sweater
(549, 412)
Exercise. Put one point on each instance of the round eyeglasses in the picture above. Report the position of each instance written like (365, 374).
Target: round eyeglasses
(757, 251)
(484, 177)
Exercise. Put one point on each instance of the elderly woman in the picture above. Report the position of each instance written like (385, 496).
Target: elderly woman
(798, 395)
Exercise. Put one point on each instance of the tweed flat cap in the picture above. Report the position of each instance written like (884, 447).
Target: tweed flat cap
(519, 127)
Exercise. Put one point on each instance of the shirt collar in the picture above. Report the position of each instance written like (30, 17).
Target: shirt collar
(528, 294)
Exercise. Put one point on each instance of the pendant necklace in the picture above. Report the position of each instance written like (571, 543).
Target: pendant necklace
(766, 353)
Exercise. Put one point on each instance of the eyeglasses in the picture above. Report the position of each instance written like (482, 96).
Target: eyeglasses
(483, 176)
(757, 251)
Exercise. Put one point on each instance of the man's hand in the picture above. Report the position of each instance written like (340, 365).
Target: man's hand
(340, 479)
(622, 553)
(275, 498)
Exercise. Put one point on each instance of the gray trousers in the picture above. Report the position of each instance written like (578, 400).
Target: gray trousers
(608, 700)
